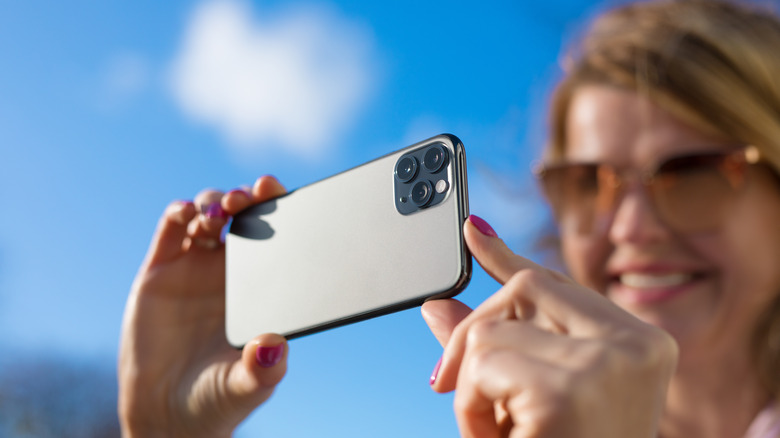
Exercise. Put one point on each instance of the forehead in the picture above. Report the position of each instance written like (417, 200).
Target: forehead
(608, 124)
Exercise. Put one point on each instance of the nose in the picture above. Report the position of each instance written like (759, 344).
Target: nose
(635, 221)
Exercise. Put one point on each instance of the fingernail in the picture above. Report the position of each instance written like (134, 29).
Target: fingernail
(267, 357)
(482, 226)
(214, 210)
(435, 373)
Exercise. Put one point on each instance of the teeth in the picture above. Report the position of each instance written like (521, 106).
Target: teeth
(647, 281)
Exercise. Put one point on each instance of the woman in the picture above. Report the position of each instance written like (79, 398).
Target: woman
(662, 171)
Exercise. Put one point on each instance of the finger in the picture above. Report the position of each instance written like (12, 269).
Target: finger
(532, 341)
(505, 362)
(526, 386)
(442, 316)
(506, 304)
(236, 200)
(536, 298)
(267, 187)
(262, 366)
(206, 230)
(475, 414)
(492, 253)
(171, 232)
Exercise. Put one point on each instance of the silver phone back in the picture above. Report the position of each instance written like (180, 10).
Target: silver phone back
(338, 250)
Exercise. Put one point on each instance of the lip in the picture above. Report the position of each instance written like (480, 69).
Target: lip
(647, 296)
(652, 284)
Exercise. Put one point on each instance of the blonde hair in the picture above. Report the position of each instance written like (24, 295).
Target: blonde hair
(713, 64)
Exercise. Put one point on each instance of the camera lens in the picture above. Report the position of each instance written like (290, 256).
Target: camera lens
(421, 193)
(434, 158)
(406, 168)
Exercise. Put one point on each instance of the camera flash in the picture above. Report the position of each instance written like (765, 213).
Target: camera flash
(441, 186)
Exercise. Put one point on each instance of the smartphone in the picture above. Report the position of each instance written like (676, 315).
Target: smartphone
(382, 237)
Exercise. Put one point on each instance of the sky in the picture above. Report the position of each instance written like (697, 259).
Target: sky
(109, 110)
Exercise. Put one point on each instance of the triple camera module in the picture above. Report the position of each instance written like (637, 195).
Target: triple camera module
(421, 178)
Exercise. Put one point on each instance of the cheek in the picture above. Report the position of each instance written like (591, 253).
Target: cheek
(746, 254)
(756, 234)
(752, 262)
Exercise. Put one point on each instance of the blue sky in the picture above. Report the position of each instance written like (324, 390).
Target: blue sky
(109, 110)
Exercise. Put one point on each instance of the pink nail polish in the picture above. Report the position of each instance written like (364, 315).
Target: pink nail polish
(267, 357)
(214, 210)
(482, 226)
(435, 373)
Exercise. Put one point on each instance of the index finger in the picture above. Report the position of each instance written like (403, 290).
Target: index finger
(265, 188)
(548, 304)
(493, 255)
(518, 299)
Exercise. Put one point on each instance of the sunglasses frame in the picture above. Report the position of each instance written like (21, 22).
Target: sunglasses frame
(741, 156)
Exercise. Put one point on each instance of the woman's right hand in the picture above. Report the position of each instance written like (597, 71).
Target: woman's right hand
(178, 376)
(545, 357)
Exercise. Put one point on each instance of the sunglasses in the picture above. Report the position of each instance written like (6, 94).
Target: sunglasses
(689, 193)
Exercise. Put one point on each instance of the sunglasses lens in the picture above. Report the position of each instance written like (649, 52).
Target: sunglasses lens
(690, 194)
(573, 191)
(695, 193)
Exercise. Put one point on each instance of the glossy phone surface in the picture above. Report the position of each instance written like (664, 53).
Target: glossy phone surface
(378, 238)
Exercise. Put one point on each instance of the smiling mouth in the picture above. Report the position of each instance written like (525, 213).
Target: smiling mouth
(654, 281)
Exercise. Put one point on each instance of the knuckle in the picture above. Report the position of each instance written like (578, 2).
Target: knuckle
(460, 333)
(655, 345)
(480, 331)
(480, 361)
(660, 349)
(646, 352)
(525, 277)
(522, 288)
(461, 405)
(550, 406)
(535, 277)
(522, 282)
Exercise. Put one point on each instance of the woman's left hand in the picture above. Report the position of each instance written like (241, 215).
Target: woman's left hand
(544, 357)
(178, 376)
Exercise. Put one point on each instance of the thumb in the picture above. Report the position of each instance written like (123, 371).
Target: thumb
(442, 316)
(491, 252)
(252, 379)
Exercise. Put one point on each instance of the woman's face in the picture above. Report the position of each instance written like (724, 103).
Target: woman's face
(708, 288)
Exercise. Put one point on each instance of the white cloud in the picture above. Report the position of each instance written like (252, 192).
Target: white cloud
(296, 79)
